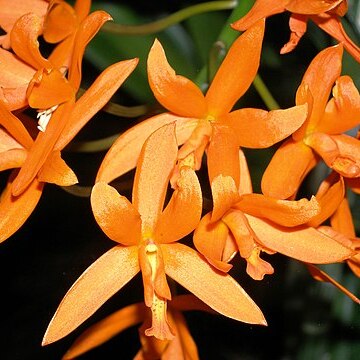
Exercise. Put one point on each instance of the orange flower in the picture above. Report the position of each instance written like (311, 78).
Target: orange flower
(27, 65)
(258, 223)
(147, 238)
(321, 134)
(181, 347)
(325, 14)
(40, 159)
(206, 122)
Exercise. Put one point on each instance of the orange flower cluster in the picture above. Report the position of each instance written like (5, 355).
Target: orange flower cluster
(168, 149)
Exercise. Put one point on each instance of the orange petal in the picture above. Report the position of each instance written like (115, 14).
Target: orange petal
(60, 22)
(106, 329)
(237, 71)
(12, 11)
(220, 291)
(56, 171)
(15, 78)
(95, 97)
(257, 128)
(95, 286)
(210, 239)
(183, 211)
(14, 211)
(13, 158)
(261, 9)
(189, 302)
(332, 25)
(282, 212)
(245, 184)
(49, 89)
(156, 162)
(42, 148)
(24, 40)
(87, 30)
(82, 8)
(116, 216)
(298, 26)
(287, 169)
(320, 77)
(14, 127)
(321, 275)
(301, 243)
(340, 152)
(343, 110)
(225, 194)
(329, 199)
(175, 92)
(223, 154)
(311, 6)
(124, 153)
(342, 221)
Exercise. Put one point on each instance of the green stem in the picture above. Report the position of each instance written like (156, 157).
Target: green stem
(265, 94)
(92, 146)
(77, 190)
(175, 18)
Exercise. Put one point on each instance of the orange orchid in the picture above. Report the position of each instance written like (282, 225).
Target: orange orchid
(258, 223)
(181, 347)
(147, 238)
(206, 122)
(321, 135)
(40, 160)
(325, 14)
(27, 65)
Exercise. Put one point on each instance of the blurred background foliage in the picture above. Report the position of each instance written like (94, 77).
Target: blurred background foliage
(307, 319)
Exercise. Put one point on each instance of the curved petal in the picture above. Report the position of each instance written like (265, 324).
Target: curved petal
(320, 76)
(330, 196)
(225, 194)
(302, 243)
(24, 41)
(94, 287)
(342, 221)
(210, 240)
(261, 9)
(183, 211)
(282, 212)
(56, 171)
(175, 92)
(14, 127)
(340, 152)
(96, 96)
(15, 78)
(14, 211)
(220, 291)
(287, 169)
(11, 159)
(237, 71)
(87, 30)
(60, 22)
(257, 128)
(116, 216)
(245, 184)
(342, 112)
(106, 329)
(311, 6)
(298, 27)
(156, 162)
(332, 25)
(12, 11)
(124, 153)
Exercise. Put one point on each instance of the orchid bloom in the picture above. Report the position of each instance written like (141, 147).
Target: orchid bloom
(147, 237)
(258, 223)
(26, 66)
(181, 347)
(206, 122)
(40, 160)
(321, 135)
(325, 14)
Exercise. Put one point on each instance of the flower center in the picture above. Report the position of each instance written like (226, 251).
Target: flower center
(44, 117)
